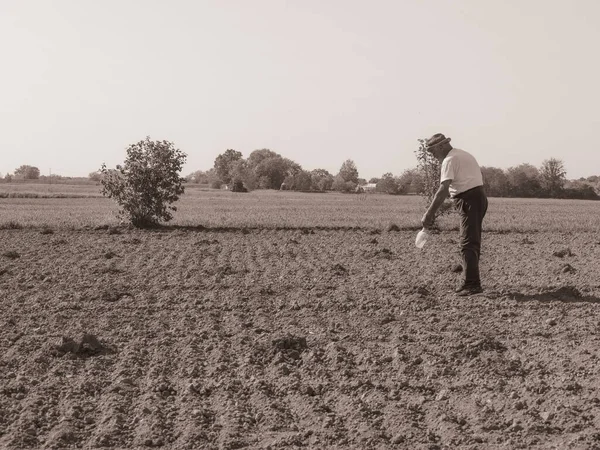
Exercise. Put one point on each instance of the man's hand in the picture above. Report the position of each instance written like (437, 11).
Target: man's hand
(438, 199)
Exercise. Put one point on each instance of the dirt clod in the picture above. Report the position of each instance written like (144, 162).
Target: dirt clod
(563, 252)
(114, 295)
(457, 268)
(289, 342)
(88, 345)
(566, 268)
(338, 269)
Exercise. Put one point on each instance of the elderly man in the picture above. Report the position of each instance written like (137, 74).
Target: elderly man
(461, 179)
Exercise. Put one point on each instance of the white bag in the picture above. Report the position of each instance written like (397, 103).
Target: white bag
(422, 237)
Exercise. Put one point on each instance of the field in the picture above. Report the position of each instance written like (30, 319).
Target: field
(283, 320)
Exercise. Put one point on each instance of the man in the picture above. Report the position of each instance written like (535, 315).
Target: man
(461, 179)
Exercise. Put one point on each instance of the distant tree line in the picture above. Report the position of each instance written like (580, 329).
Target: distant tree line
(524, 180)
(24, 172)
(549, 181)
(266, 169)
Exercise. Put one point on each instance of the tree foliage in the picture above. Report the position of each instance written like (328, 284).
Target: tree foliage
(224, 164)
(321, 180)
(95, 176)
(209, 177)
(348, 172)
(495, 181)
(26, 172)
(242, 177)
(341, 185)
(410, 182)
(388, 184)
(147, 183)
(524, 181)
(553, 177)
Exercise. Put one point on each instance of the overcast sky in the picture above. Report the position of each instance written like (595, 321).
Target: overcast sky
(318, 81)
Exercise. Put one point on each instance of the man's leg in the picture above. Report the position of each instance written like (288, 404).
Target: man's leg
(472, 207)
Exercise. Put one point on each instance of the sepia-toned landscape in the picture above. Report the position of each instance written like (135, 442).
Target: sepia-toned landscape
(289, 320)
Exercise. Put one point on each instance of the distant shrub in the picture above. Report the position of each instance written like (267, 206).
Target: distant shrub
(238, 186)
(216, 184)
(147, 183)
(11, 225)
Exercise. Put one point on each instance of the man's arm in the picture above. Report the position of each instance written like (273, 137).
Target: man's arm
(441, 195)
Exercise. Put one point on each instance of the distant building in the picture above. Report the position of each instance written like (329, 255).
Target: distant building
(370, 187)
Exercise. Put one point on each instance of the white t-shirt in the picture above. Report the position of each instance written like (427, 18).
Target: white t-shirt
(462, 168)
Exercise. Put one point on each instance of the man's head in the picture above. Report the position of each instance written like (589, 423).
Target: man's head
(438, 145)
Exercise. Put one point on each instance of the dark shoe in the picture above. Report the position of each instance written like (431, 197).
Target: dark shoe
(466, 290)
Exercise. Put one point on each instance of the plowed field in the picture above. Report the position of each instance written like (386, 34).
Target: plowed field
(264, 338)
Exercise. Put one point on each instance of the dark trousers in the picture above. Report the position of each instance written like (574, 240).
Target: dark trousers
(472, 206)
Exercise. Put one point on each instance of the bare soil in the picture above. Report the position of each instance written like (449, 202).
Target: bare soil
(345, 339)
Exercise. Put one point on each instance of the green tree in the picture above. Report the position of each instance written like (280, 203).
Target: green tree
(257, 156)
(148, 182)
(224, 163)
(271, 171)
(388, 184)
(27, 172)
(203, 177)
(348, 172)
(321, 180)
(495, 182)
(95, 176)
(341, 185)
(302, 181)
(410, 182)
(242, 177)
(524, 181)
(553, 177)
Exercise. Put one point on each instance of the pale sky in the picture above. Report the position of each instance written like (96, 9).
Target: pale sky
(318, 81)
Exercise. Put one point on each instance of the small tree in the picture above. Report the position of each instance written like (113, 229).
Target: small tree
(553, 177)
(524, 181)
(242, 177)
(95, 176)
(27, 172)
(302, 181)
(349, 172)
(410, 182)
(388, 184)
(224, 164)
(430, 169)
(495, 181)
(147, 183)
(321, 180)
